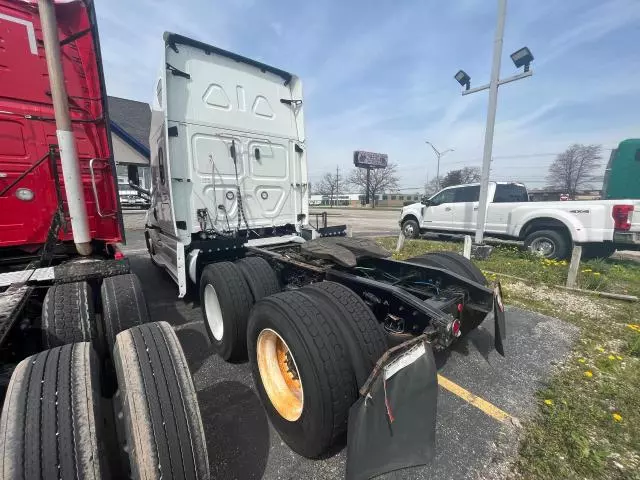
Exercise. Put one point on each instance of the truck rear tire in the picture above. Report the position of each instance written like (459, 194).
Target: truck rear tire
(260, 277)
(464, 267)
(123, 306)
(364, 338)
(302, 374)
(68, 315)
(452, 261)
(411, 229)
(156, 406)
(225, 300)
(51, 419)
(548, 244)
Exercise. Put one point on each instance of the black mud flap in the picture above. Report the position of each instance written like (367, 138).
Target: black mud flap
(500, 332)
(393, 424)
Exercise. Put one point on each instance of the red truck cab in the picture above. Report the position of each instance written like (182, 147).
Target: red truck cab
(31, 181)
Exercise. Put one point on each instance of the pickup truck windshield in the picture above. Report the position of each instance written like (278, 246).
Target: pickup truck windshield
(510, 193)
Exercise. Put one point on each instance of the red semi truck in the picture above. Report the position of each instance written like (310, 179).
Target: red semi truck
(90, 387)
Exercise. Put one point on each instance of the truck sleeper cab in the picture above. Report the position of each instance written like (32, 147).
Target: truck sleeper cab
(228, 154)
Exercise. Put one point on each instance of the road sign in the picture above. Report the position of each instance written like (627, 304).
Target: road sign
(370, 159)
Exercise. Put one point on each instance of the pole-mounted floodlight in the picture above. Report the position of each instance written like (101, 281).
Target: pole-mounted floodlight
(522, 58)
(463, 79)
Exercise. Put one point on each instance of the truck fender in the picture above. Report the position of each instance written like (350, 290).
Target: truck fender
(414, 211)
(576, 229)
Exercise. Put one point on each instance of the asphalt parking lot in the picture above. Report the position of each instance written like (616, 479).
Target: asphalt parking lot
(482, 399)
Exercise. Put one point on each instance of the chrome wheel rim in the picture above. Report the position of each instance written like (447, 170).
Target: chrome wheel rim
(408, 230)
(543, 246)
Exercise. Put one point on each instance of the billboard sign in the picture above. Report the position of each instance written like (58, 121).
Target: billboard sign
(370, 159)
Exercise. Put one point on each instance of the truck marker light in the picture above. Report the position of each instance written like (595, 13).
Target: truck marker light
(24, 194)
(455, 328)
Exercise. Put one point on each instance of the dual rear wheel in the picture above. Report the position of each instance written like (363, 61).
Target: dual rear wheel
(310, 349)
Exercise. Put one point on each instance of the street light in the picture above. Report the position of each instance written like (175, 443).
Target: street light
(521, 58)
(463, 79)
(438, 155)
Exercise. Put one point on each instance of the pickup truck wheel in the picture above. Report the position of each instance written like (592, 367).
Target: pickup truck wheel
(225, 300)
(157, 414)
(411, 229)
(51, 424)
(68, 315)
(303, 376)
(548, 244)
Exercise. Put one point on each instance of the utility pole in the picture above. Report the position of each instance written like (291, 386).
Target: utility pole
(438, 156)
(68, 155)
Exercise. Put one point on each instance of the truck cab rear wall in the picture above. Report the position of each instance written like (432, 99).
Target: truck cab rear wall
(227, 144)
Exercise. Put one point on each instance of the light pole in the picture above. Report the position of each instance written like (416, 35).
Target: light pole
(438, 156)
(521, 58)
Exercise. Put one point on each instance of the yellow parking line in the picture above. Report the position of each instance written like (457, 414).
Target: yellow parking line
(474, 400)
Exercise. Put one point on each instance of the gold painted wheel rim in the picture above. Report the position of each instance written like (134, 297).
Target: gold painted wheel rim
(279, 375)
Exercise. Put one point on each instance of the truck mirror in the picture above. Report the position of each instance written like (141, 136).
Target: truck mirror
(425, 201)
(132, 173)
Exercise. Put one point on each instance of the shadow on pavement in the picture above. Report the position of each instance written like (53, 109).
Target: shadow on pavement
(196, 346)
(236, 429)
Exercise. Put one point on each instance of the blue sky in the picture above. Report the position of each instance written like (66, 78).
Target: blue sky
(378, 75)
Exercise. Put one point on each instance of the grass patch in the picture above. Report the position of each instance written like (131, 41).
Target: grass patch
(588, 422)
(588, 425)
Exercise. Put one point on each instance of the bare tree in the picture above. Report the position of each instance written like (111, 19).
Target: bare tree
(573, 169)
(431, 187)
(381, 180)
(461, 177)
(328, 185)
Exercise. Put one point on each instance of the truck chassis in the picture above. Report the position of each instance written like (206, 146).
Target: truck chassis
(290, 306)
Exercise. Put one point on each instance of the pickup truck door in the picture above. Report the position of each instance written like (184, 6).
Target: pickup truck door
(464, 210)
(506, 197)
(437, 214)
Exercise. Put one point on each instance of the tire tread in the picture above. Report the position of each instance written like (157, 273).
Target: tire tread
(68, 315)
(49, 427)
(260, 277)
(235, 300)
(162, 423)
(123, 306)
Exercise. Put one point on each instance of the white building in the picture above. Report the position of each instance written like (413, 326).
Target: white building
(130, 122)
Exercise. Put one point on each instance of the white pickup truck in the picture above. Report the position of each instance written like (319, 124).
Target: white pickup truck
(549, 228)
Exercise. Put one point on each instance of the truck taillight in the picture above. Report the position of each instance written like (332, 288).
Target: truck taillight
(621, 216)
